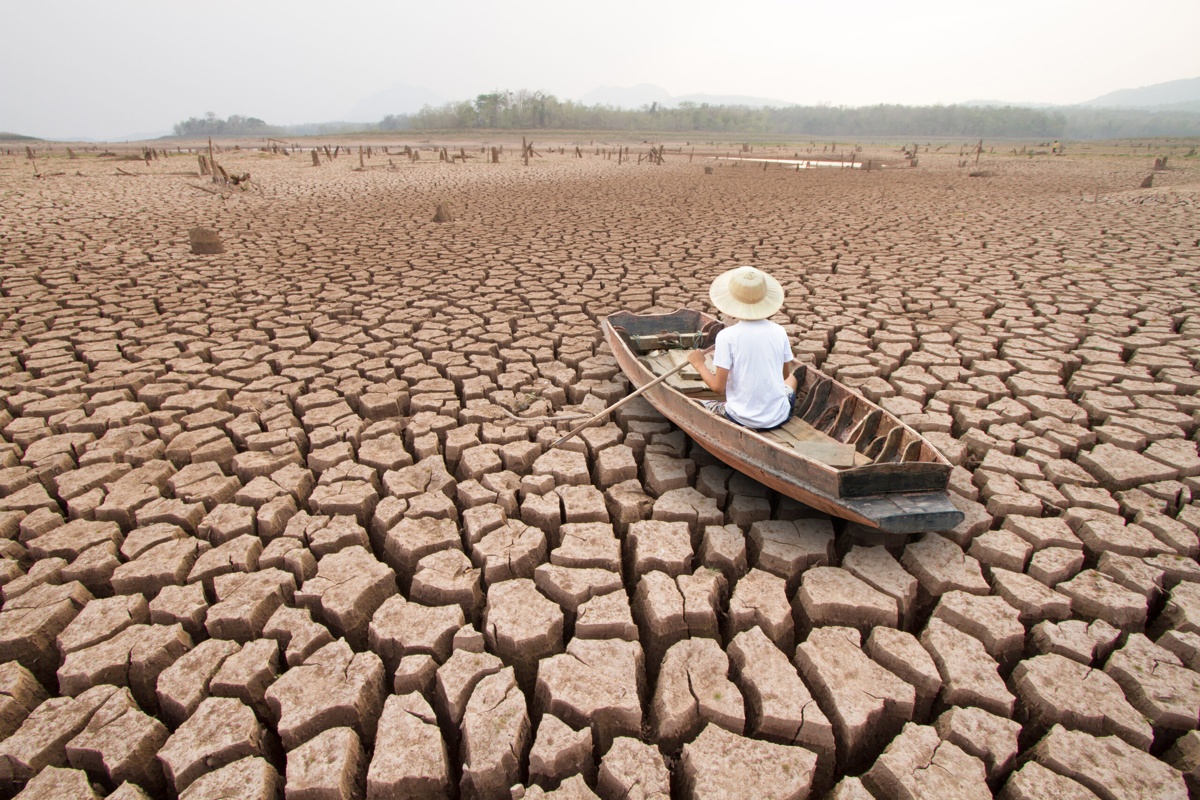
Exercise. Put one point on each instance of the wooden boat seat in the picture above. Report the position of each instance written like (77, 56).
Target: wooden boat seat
(795, 433)
(809, 441)
(686, 380)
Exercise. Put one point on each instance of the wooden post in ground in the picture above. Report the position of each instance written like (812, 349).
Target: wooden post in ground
(212, 165)
(316, 158)
(524, 151)
(978, 150)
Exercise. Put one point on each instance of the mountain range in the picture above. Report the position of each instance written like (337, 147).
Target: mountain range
(1181, 95)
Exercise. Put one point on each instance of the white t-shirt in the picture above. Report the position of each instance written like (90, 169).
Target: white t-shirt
(754, 352)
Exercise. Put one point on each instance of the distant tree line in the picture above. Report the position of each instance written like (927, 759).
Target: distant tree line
(1121, 123)
(525, 110)
(235, 125)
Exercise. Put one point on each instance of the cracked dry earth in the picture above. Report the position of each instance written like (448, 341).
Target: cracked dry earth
(267, 530)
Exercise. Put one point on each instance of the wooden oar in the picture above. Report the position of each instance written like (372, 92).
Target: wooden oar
(621, 402)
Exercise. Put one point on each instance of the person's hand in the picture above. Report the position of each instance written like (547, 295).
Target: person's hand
(696, 357)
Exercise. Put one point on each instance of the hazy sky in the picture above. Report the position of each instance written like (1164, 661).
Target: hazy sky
(108, 70)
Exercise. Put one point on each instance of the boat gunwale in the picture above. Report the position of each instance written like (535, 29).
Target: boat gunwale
(904, 513)
(936, 472)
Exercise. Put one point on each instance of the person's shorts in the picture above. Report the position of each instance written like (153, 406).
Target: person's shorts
(718, 407)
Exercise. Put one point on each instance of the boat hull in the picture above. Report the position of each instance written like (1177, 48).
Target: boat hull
(771, 464)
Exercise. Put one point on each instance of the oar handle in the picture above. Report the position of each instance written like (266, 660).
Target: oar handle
(620, 403)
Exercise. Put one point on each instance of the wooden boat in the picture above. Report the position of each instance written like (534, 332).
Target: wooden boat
(839, 453)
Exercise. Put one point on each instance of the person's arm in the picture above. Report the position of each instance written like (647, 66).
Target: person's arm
(789, 375)
(713, 380)
(790, 365)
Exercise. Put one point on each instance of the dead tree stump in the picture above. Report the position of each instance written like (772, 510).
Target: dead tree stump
(316, 158)
(205, 241)
(444, 213)
(212, 162)
(1149, 182)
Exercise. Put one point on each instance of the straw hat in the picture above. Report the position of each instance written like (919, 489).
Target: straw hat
(746, 293)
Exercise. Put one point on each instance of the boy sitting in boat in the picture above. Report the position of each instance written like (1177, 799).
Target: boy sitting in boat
(753, 358)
